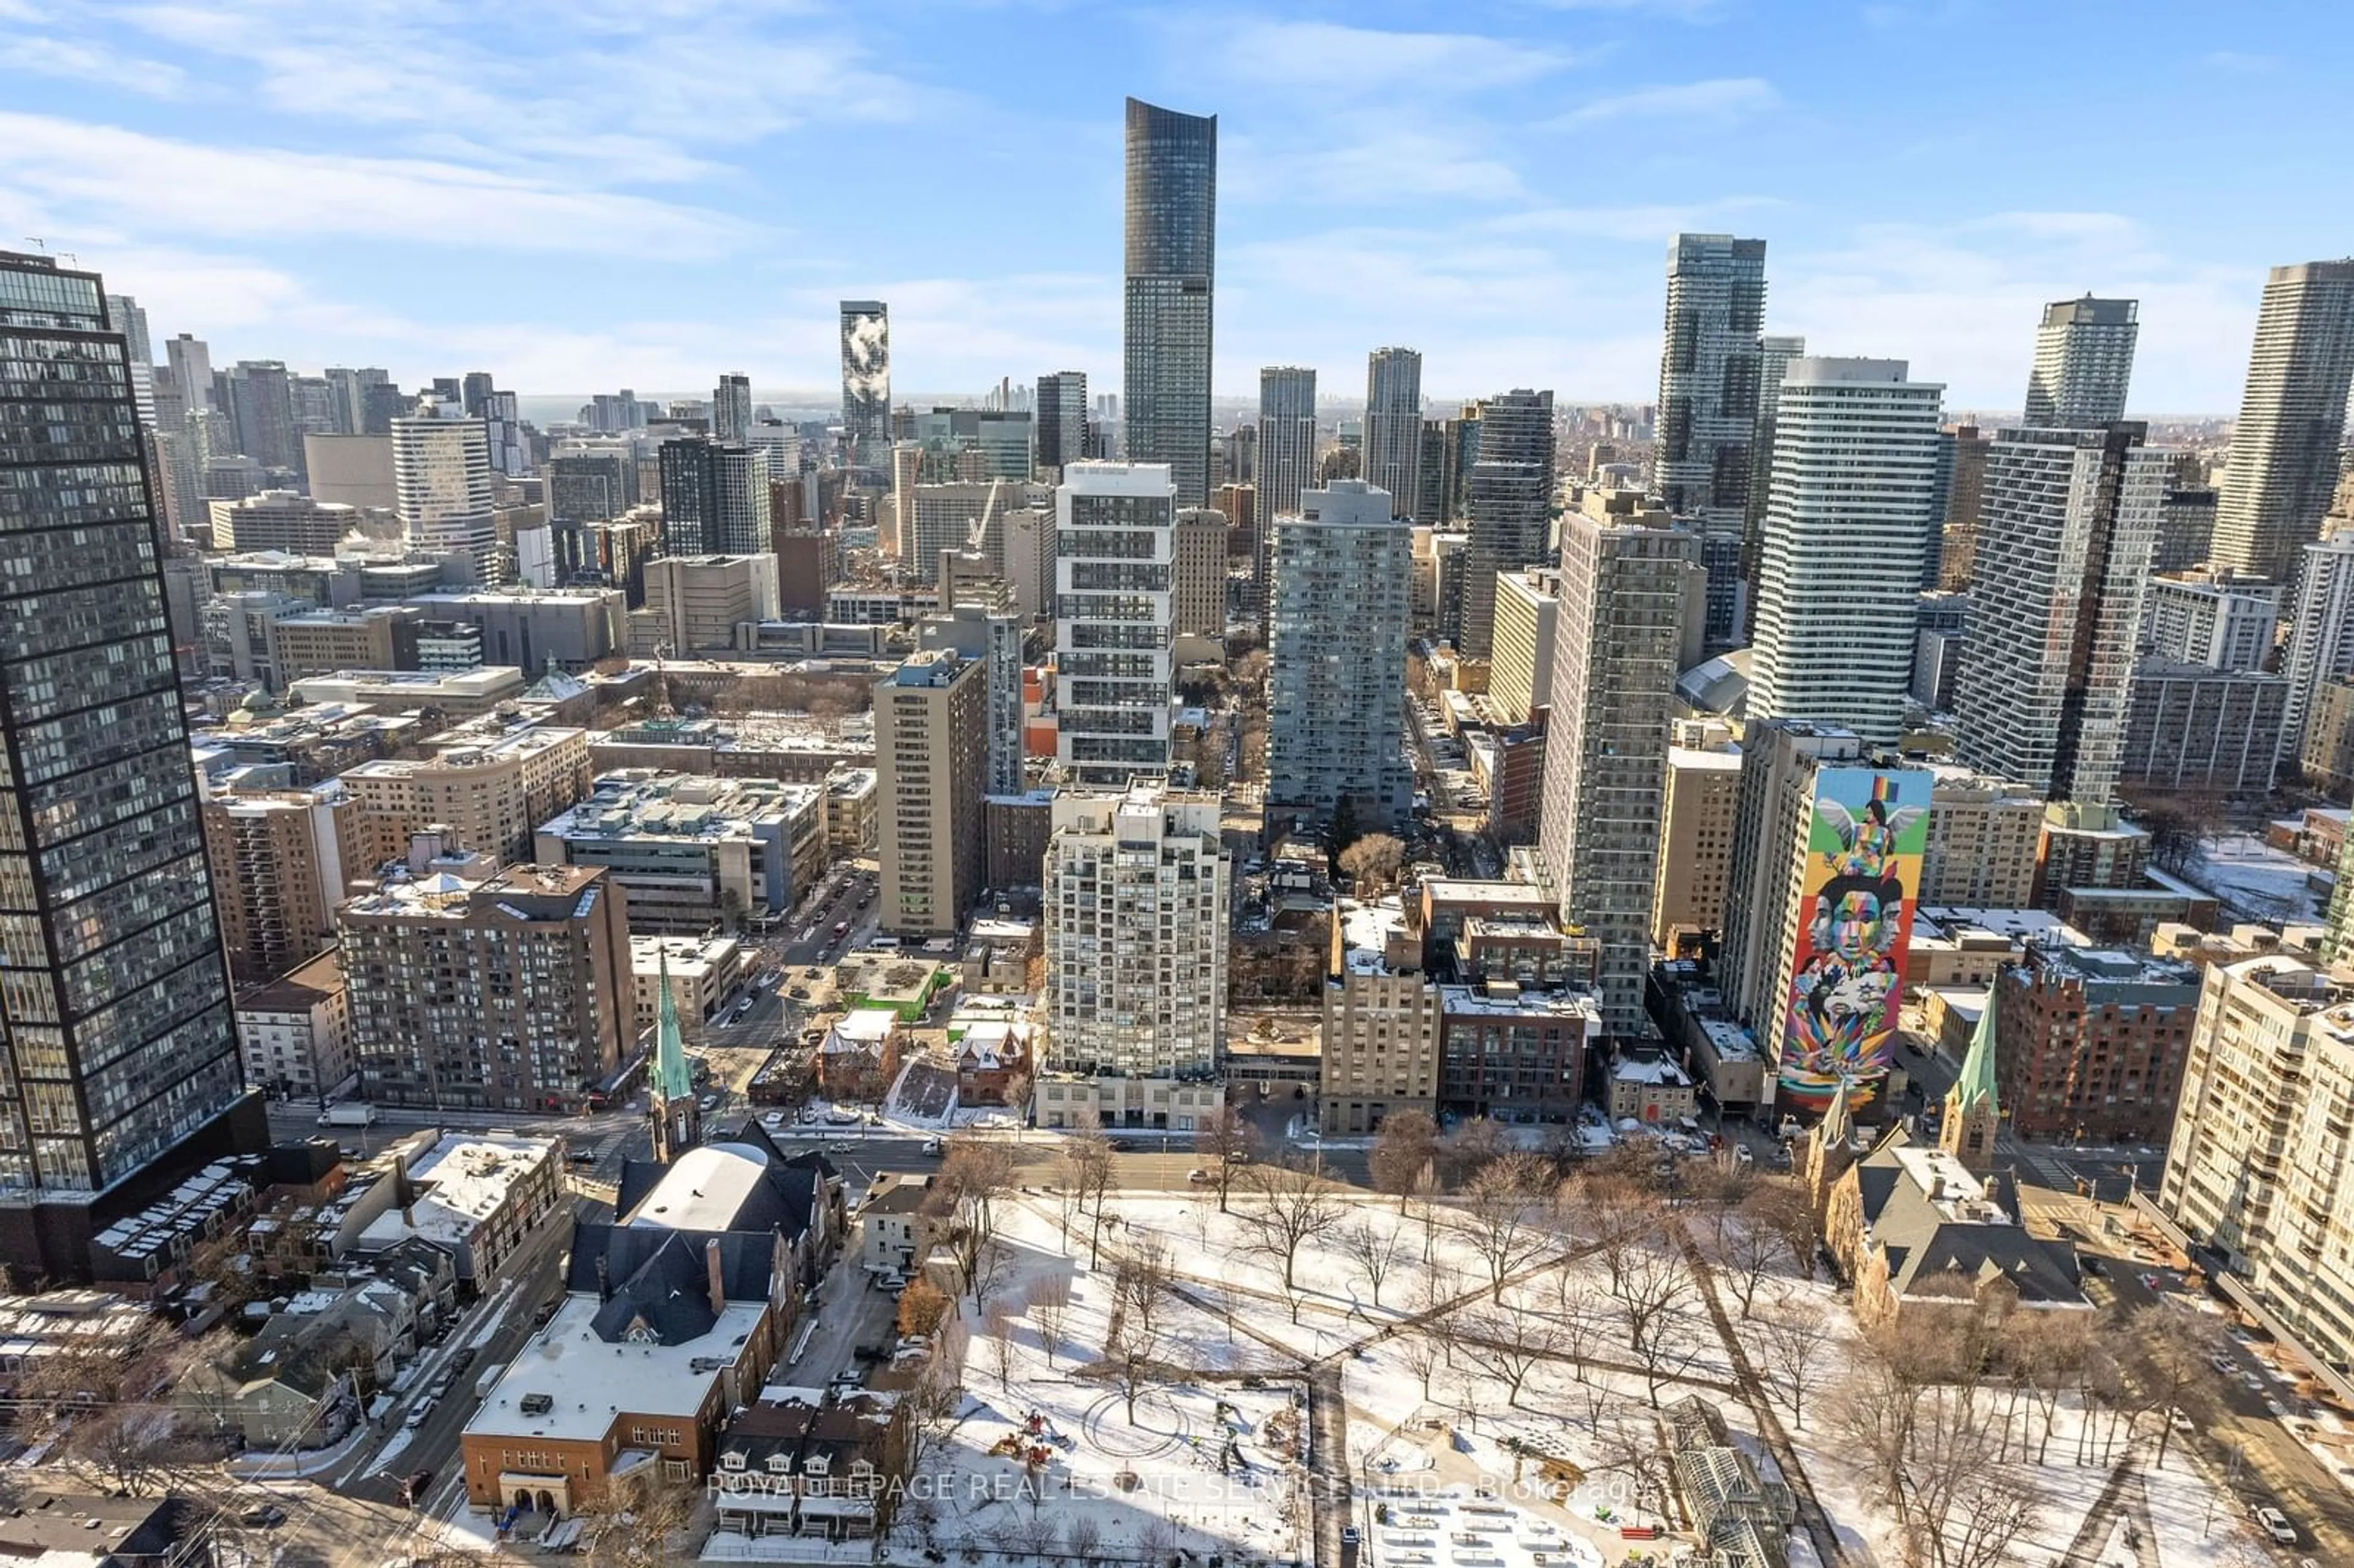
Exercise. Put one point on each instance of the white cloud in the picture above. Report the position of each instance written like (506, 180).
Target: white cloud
(1360, 165)
(626, 91)
(1636, 224)
(1712, 101)
(74, 61)
(1326, 57)
(104, 174)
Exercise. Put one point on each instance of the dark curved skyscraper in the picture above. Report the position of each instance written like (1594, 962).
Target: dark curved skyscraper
(1172, 218)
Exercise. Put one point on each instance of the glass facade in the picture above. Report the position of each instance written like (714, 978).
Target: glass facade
(1172, 208)
(113, 991)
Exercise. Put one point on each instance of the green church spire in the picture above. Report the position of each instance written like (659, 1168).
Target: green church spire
(1977, 1081)
(672, 1081)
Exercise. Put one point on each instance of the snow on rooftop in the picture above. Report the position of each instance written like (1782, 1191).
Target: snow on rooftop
(1365, 932)
(592, 1383)
(461, 1181)
(866, 1028)
(703, 1190)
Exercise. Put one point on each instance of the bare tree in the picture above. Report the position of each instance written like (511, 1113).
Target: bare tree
(1653, 1288)
(1423, 1352)
(993, 1263)
(1084, 1536)
(2166, 1356)
(1509, 1344)
(1289, 1203)
(997, 1332)
(637, 1523)
(1745, 1247)
(1377, 1249)
(1223, 1141)
(1140, 1283)
(1372, 863)
(973, 1174)
(1089, 1153)
(1049, 1311)
(1471, 1145)
(1131, 1353)
(1789, 1346)
(1403, 1150)
(1505, 1207)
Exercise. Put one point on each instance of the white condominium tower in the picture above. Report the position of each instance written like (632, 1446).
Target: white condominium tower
(2320, 614)
(441, 481)
(2067, 524)
(1135, 885)
(1336, 721)
(1855, 460)
(2284, 464)
(1394, 425)
(2084, 362)
(1709, 364)
(1114, 552)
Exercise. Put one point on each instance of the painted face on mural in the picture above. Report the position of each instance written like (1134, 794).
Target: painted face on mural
(1855, 925)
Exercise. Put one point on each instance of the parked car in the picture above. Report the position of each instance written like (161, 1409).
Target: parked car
(262, 1516)
(840, 1146)
(413, 1489)
(1198, 1178)
(2277, 1525)
(423, 1408)
(932, 1146)
(870, 1354)
(582, 1157)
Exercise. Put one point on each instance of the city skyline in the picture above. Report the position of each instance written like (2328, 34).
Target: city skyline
(1721, 121)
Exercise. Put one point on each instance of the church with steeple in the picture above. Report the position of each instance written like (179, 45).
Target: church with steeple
(678, 1120)
(1922, 1232)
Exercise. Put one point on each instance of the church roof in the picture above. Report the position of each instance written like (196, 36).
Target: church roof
(1977, 1081)
(1942, 1226)
(670, 1078)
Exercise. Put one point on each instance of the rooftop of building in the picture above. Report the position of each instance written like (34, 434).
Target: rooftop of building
(1366, 932)
(864, 1029)
(1705, 760)
(687, 958)
(515, 743)
(461, 1181)
(645, 803)
(445, 895)
(895, 1192)
(299, 989)
(2115, 975)
(1955, 923)
(1651, 1068)
(750, 732)
(486, 683)
(590, 1381)
(1505, 998)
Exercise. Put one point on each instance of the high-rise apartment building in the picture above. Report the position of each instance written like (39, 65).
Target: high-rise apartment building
(1173, 216)
(931, 717)
(867, 381)
(280, 857)
(442, 474)
(491, 786)
(2283, 465)
(1287, 448)
(1138, 920)
(510, 994)
(1336, 658)
(1509, 493)
(1617, 630)
(1520, 667)
(1824, 882)
(1114, 554)
(1061, 407)
(2189, 617)
(731, 407)
(1197, 575)
(1958, 533)
(1168, 300)
(1696, 814)
(1774, 356)
(694, 603)
(2072, 516)
(2258, 1166)
(282, 520)
(1393, 459)
(262, 411)
(2084, 364)
(191, 363)
(980, 622)
(1710, 365)
(715, 498)
(1984, 836)
(2186, 528)
(121, 1062)
(2320, 628)
(1855, 457)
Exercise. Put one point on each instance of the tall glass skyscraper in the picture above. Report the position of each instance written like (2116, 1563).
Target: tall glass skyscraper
(1393, 426)
(113, 990)
(1709, 364)
(867, 381)
(2284, 468)
(2084, 364)
(1172, 217)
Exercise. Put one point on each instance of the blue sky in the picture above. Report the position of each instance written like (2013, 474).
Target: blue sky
(582, 195)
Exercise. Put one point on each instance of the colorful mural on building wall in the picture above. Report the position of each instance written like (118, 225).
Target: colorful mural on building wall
(1868, 831)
